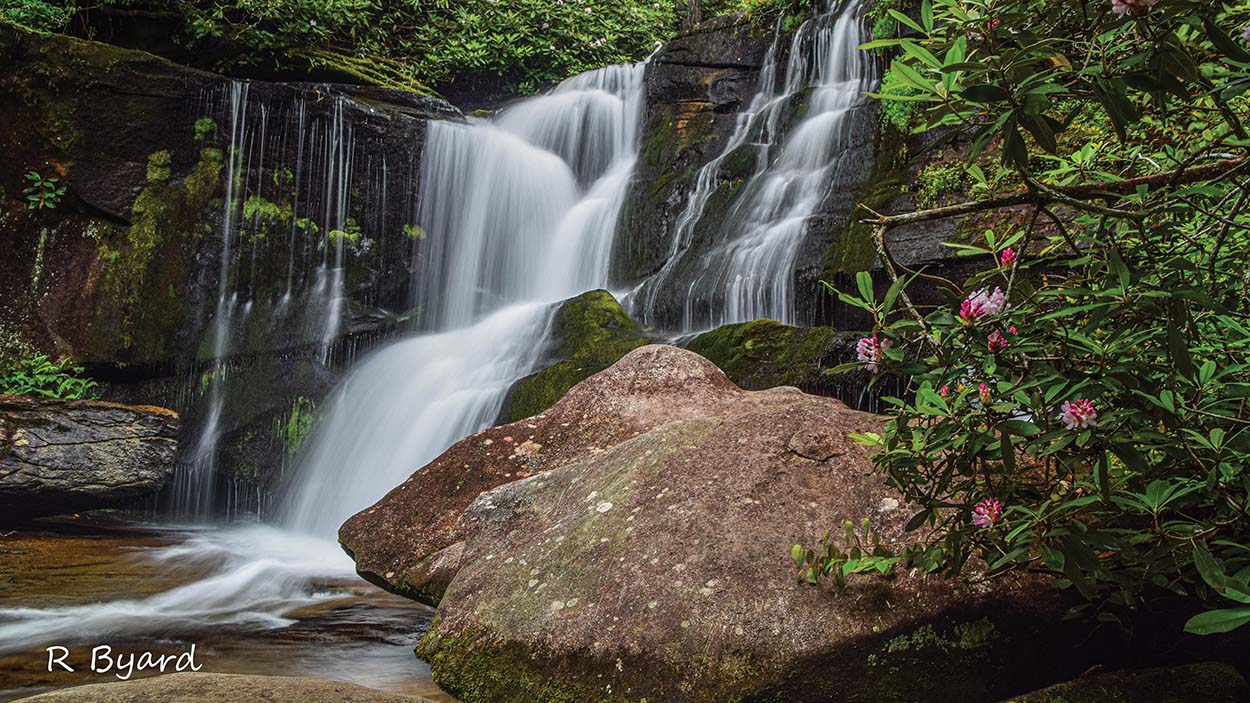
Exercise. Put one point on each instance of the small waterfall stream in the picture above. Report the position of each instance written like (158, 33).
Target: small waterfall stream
(749, 274)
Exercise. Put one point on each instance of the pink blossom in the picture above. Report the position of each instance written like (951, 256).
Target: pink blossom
(997, 342)
(1080, 414)
(1132, 7)
(986, 394)
(982, 303)
(1013, 331)
(987, 513)
(871, 350)
(1245, 34)
(1007, 258)
(944, 391)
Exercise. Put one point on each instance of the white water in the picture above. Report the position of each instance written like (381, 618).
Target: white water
(749, 274)
(511, 228)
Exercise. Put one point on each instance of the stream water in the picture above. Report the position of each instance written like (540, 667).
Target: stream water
(519, 213)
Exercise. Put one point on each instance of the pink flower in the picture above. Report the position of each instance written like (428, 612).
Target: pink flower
(986, 394)
(997, 342)
(944, 391)
(987, 513)
(980, 304)
(1007, 258)
(1132, 7)
(1080, 414)
(1245, 34)
(1013, 331)
(870, 351)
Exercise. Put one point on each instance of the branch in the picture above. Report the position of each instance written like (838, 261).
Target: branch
(1066, 194)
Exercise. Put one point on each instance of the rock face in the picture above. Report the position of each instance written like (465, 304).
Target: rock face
(60, 456)
(589, 333)
(213, 688)
(633, 543)
(125, 274)
(1195, 683)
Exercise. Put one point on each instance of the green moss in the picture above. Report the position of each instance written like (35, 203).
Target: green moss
(294, 429)
(413, 231)
(936, 181)
(591, 332)
(205, 129)
(159, 166)
(164, 213)
(766, 354)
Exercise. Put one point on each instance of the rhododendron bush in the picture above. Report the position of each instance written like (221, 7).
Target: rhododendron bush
(1080, 407)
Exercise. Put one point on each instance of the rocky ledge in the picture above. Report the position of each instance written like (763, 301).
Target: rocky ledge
(213, 688)
(633, 543)
(61, 456)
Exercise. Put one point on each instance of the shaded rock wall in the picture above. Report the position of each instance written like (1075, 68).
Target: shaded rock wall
(131, 273)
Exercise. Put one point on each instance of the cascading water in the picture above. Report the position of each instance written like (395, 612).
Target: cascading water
(517, 214)
(749, 273)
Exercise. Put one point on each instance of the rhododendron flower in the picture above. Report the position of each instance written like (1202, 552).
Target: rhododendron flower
(997, 342)
(1080, 414)
(1007, 258)
(944, 391)
(1245, 34)
(1132, 7)
(987, 513)
(986, 394)
(1013, 331)
(982, 303)
(871, 350)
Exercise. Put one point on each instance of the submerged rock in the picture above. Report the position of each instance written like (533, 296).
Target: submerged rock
(633, 543)
(213, 688)
(1195, 683)
(62, 456)
(589, 333)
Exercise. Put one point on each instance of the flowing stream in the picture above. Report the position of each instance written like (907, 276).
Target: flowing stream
(517, 213)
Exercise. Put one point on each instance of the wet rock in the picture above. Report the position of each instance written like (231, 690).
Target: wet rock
(589, 333)
(1195, 683)
(766, 354)
(642, 552)
(213, 688)
(61, 456)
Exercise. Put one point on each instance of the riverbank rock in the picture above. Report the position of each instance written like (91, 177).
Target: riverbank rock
(588, 334)
(215, 688)
(61, 456)
(633, 543)
(1195, 683)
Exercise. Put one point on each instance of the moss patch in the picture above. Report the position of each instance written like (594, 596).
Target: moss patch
(766, 354)
(590, 333)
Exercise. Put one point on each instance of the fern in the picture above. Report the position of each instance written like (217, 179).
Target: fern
(42, 377)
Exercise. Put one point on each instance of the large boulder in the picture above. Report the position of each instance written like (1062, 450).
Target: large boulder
(61, 456)
(633, 543)
(214, 688)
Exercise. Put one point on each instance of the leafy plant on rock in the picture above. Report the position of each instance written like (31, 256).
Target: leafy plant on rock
(42, 377)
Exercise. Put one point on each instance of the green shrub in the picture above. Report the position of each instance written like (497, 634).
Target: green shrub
(1079, 407)
(39, 15)
(41, 377)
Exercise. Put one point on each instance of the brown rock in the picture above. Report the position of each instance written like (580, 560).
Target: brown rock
(648, 558)
(215, 688)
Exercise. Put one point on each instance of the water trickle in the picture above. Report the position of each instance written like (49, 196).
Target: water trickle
(749, 273)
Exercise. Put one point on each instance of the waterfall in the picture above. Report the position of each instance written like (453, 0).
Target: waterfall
(518, 214)
(749, 273)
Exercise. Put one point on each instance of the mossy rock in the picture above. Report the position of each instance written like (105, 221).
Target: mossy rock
(1195, 683)
(766, 354)
(590, 333)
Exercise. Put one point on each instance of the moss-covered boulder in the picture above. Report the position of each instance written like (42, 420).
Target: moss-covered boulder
(633, 544)
(766, 354)
(589, 333)
(1195, 683)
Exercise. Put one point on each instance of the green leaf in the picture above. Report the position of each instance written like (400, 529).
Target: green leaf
(984, 93)
(1209, 569)
(1215, 622)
